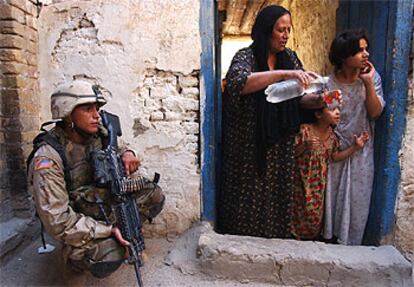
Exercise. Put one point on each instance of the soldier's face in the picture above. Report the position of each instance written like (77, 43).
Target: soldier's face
(86, 117)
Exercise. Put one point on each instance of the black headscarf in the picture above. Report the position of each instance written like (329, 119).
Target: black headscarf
(274, 121)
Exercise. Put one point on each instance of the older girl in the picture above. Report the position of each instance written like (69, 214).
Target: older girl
(349, 185)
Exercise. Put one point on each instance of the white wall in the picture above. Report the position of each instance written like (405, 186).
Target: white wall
(147, 54)
(229, 47)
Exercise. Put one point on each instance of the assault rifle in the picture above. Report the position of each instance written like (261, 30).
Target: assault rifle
(110, 173)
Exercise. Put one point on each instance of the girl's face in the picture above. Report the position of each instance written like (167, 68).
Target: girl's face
(330, 117)
(360, 59)
(280, 33)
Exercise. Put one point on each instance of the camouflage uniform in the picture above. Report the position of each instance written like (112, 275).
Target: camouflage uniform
(68, 208)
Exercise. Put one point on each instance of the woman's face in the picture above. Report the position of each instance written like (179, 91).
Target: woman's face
(360, 59)
(280, 33)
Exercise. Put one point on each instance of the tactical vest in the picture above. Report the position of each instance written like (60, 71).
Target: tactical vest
(83, 195)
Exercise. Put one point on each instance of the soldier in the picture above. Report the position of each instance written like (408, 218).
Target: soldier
(61, 182)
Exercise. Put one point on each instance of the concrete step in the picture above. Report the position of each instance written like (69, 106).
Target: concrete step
(14, 232)
(301, 263)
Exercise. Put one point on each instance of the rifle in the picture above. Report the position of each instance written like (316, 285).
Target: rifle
(110, 173)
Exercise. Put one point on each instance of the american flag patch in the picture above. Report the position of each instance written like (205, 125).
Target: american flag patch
(42, 164)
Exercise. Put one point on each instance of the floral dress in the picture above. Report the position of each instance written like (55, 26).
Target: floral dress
(312, 168)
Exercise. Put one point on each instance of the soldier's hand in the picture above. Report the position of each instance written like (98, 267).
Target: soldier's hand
(131, 162)
(118, 236)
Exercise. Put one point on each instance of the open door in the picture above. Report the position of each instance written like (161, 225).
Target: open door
(389, 28)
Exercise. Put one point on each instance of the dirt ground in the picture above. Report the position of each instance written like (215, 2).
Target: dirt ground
(170, 262)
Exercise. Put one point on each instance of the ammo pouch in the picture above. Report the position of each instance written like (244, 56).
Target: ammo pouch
(86, 200)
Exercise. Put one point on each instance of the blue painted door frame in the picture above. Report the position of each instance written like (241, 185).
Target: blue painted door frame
(389, 27)
(210, 98)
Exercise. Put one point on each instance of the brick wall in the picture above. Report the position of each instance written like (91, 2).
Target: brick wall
(19, 104)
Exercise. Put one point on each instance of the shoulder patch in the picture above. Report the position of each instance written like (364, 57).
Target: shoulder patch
(42, 163)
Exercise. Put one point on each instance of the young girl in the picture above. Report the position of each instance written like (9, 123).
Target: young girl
(349, 186)
(315, 146)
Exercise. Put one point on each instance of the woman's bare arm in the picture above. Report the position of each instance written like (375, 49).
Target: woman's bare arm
(257, 81)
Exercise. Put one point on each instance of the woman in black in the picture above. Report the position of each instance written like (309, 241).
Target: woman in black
(257, 155)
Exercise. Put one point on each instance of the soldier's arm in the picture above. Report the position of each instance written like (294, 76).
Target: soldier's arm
(52, 202)
(129, 158)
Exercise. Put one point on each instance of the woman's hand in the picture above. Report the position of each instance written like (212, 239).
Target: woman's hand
(118, 236)
(304, 77)
(367, 73)
(131, 162)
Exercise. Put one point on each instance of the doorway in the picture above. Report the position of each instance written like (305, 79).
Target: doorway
(388, 24)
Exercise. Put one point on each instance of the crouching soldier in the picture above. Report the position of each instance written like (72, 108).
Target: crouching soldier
(61, 180)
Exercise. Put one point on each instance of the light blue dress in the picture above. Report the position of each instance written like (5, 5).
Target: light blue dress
(349, 184)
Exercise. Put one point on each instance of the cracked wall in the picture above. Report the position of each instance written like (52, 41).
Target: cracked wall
(146, 55)
(404, 228)
(313, 31)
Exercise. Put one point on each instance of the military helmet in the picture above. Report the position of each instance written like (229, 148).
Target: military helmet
(69, 95)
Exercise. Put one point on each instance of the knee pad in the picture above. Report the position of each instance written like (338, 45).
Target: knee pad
(104, 269)
(106, 257)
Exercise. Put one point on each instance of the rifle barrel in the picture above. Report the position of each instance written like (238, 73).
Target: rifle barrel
(138, 274)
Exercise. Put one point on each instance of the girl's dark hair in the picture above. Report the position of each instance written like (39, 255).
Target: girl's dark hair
(345, 44)
(308, 116)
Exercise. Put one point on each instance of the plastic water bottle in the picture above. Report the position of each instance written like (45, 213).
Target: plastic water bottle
(289, 89)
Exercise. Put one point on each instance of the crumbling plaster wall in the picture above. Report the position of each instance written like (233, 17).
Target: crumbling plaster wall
(314, 28)
(147, 55)
(404, 228)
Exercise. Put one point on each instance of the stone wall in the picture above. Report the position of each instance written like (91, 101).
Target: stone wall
(404, 229)
(19, 102)
(146, 54)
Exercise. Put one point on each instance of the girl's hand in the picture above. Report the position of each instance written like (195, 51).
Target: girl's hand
(304, 77)
(131, 162)
(367, 73)
(361, 140)
(312, 143)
